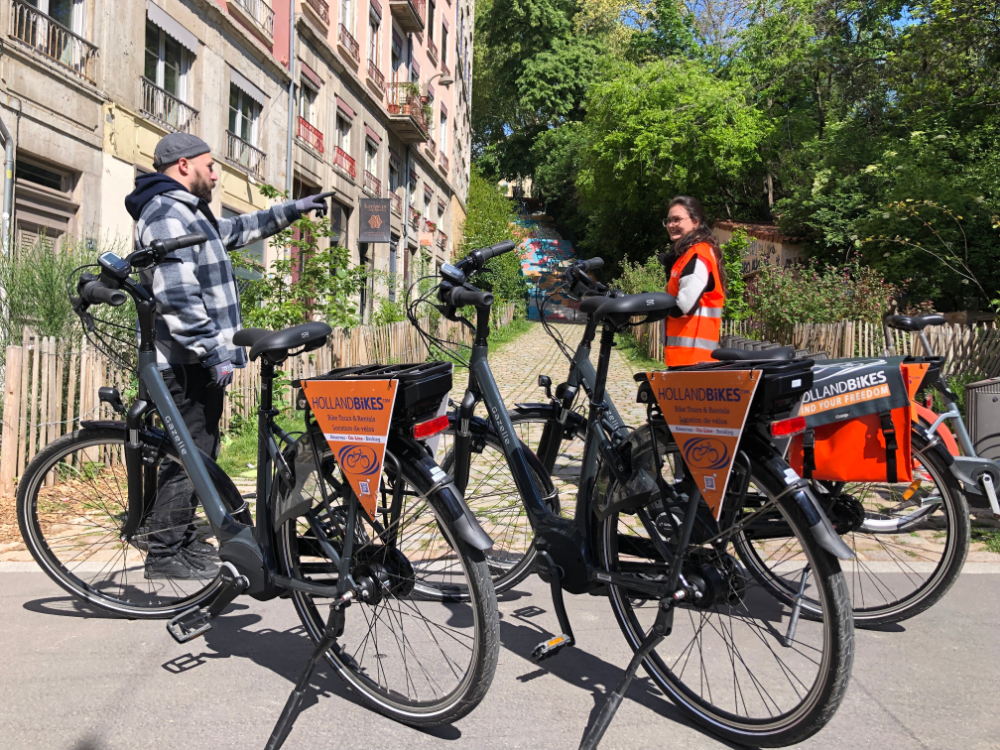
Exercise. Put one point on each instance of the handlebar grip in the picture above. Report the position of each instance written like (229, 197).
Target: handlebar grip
(95, 293)
(461, 297)
(179, 243)
(498, 249)
(590, 265)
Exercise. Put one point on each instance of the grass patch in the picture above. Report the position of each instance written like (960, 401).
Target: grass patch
(238, 453)
(634, 353)
(988, 536)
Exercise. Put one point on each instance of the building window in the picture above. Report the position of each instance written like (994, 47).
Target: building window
(373, 45)
(444, 132)
(430, 20)
(69, 13)
(371, 157)
(166, 62)
(444, 45)
(393, 175)
(347, 15)
(244, 114)
(43, 204)
(344, 134)
(307, 103)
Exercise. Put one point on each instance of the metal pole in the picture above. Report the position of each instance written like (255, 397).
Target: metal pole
(291, 93)
(8, 186)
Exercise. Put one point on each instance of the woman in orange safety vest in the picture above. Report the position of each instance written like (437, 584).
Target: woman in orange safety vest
(697, 280)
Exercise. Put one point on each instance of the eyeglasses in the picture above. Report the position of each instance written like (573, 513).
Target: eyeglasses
(672, 220)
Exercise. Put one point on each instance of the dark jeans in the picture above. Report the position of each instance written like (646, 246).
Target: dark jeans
(200, 403)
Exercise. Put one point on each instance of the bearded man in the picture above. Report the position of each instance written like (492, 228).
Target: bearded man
(198, 311)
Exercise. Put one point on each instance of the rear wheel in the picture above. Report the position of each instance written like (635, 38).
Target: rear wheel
(910, 538)
(72, 503)
(424, 649)
(736, 660)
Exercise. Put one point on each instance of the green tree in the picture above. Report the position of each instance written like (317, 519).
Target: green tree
(487, 222)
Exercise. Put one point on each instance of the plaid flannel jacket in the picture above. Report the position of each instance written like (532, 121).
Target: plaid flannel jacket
(197, 301)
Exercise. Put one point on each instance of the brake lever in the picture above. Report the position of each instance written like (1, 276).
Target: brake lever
(80, 308)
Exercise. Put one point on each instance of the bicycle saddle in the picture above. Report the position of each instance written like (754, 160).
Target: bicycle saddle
(590, 304)
(275, 344)
(782, 353)
(653, 305)
(916, 323)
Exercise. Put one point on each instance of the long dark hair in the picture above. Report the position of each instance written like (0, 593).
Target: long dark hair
(701, 233)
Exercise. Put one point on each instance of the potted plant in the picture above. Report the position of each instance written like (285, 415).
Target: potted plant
(393, 109)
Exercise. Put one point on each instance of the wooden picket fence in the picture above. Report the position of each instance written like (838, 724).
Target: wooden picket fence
(51, 385)
(968, 349)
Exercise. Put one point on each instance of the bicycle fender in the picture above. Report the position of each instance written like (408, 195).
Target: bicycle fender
(819, 525)
(445, 494)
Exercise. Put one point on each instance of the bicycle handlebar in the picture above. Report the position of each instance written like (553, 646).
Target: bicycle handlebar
(93, 292)
(160, 249)
(590, 265)
(460, 297)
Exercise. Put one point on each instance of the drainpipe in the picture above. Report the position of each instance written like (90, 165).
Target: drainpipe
(8, 186)
(291, 94)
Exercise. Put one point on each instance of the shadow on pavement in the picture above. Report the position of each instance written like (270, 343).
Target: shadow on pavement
(283, 652)
(68, 606)
(587, 672)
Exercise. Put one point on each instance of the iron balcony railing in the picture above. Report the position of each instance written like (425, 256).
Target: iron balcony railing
(260, 12)
(414, 218)
(445, 71)
(376, 75)
(405, 100)
(344, 163)
(397, 203)
(373, 185)
(350, 43)
(432, 51)
(432, 147)
(321, 8)
(245, 155)
(310, 134)
(444, 162)
(166, 109)
(53, 40)
(441, 238)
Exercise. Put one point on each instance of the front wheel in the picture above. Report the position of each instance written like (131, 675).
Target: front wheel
(424, 648)
(72, 502)
(738, 660)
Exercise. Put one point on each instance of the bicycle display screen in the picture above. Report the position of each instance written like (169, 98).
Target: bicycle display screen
(117, 267)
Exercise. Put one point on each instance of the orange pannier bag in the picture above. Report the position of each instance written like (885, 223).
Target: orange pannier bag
(858, 415)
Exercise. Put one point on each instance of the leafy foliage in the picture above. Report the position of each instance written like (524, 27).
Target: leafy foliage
(487, 222)
(824, 116)
(308, 283)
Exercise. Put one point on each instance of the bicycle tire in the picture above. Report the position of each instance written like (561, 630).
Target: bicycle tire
(884, 568)
(38, 513)
(472, 626)
(512, 558)
(776, 714)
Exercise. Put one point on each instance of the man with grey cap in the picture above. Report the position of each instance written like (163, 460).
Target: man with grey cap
(198, 311)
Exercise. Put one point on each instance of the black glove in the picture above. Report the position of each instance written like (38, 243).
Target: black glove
(222, 373)
(314, 203)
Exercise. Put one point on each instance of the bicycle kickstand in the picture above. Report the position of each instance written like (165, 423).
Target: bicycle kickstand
(661, 629)
(334, 629)
(548, 570)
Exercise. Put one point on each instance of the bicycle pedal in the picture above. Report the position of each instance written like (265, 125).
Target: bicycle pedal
(190, 624)
(551, 647)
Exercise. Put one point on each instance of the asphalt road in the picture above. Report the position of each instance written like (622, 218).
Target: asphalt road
(71, 679)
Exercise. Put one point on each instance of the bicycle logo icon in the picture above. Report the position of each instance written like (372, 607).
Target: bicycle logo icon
(359, 459)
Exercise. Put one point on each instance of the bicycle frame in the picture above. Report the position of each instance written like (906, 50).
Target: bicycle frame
(567, 541)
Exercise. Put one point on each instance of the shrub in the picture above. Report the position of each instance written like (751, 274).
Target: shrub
(778, 298)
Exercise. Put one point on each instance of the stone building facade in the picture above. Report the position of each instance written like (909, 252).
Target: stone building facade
(379, 90)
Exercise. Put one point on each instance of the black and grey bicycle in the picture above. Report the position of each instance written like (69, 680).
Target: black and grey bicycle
(737, 659)
(411, 626)
(910, 537)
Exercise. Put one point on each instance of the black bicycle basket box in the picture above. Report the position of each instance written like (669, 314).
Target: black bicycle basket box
(422, 386)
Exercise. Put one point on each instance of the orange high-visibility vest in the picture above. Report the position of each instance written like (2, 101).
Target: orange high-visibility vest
(692, 338)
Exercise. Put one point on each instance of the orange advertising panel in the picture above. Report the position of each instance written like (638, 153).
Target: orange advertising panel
(706, 412)
(354, 416)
